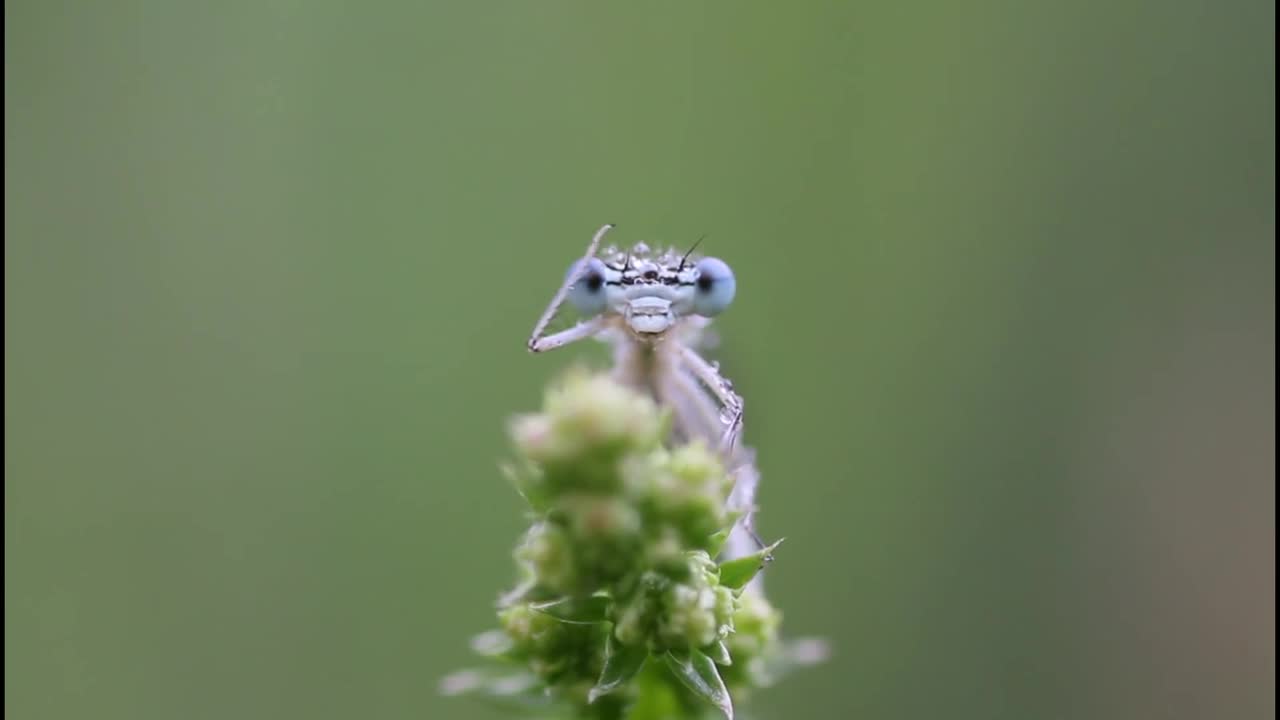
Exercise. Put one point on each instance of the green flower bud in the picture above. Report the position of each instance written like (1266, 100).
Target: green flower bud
(547, 553)
(726, 608)
(589, 425)
(666, 554)
(551, 647)
(530, 631)
(689, 617)
(685, 490)
(755, 624)
(638, 616)
(594, 411)
(695, 610)
(601, 518)
(606, 532)
(532, 435)
(699, 468)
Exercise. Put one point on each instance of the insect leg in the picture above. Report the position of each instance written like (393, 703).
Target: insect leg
(558, 299)
(730, 401)
(564, 337)
(696, 412)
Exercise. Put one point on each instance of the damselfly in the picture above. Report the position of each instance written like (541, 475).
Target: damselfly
(654, 307)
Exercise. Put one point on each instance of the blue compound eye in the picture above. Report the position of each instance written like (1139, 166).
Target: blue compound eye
(715, 287)
(587, 294)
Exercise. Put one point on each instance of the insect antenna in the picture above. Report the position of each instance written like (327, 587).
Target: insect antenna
(690, 252)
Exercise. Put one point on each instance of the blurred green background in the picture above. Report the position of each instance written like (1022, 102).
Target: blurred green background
(1004, 324)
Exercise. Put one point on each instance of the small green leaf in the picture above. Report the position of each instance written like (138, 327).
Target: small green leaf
(521, 479)
(656, 697)
(621, 663)
(579, 611)
(717, 540)
(716, 543)
(698, 673)
(737, 573)
(719, 652)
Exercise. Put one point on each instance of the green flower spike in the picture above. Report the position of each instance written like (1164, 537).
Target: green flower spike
(622, 611)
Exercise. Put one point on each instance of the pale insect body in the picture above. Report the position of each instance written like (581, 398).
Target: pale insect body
(653, 309)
